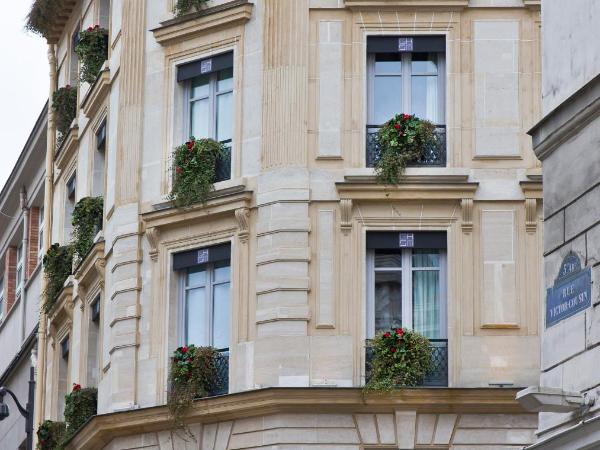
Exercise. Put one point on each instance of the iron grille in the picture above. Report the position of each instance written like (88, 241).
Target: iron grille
(221, 386)
(434, 155)
(437, 376)
(223, 167)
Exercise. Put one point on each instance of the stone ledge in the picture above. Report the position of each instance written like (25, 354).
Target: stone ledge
(455, 4)
(98, 92)
(66, 152)
(192, 25)
(91, 267)
(102, 429)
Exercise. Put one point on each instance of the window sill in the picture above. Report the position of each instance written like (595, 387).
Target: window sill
(66, 151)
(91, 268)
(62, 310)
(97, 93)
(457, 4)
(191, 25)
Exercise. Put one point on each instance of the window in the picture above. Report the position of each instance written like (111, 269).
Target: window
(208, 108)
(99, 161)
(63, 374)
(73, 59)
(407, 286)
(104, 13)
(19, 272)
(93, 349)
(41, 234)
(71, 195)
(1, 299)
(205, 296)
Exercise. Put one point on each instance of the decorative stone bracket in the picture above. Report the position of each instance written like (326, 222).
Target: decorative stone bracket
(466, 205)
(153, 236)
(346, 214)
(242, 215)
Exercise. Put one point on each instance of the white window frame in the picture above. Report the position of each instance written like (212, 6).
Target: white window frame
(406, 74)
(407, 287)
(209, 286)
(19, 271)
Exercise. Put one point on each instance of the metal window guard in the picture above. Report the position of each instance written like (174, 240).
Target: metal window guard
(437, 376)
(221, 386)
(434, 156)
(223, 166)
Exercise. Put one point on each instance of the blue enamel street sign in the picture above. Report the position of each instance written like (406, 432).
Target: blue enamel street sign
(571, 293)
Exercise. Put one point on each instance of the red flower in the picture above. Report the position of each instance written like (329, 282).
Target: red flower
(190, 145)
(189, 360)
(179, 170)
(405, 116)
(397, 126)
(90, 29)
(393, 349)
(400, 332)
(184, 349)
(386, 334)
(76, 387)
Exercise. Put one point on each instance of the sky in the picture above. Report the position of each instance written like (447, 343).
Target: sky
(23, 82)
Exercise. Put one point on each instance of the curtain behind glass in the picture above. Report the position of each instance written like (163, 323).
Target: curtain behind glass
(426, 293)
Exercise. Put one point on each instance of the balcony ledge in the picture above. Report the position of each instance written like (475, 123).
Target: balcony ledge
(62, 309)
(191, 25)
(66, 152)
(97, 93)
(91, 267)
(101, 429)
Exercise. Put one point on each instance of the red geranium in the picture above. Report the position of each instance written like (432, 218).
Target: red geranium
(397, 126)
(386, 334)
(76, 387)
(400, 332)
(393, 349)
(179, 170)
(405, 116)
(184, 349)
(190, 145)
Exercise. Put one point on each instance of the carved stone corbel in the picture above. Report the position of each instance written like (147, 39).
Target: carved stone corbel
(242, 215)
(530, 215)
(346, 214)
(466, 205)
(153, 236)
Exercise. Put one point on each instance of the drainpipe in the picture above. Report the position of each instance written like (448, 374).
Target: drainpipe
(25, 245)
(39, 404)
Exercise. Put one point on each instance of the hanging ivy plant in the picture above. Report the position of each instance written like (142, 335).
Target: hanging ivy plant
(42, 16)
(80, 405)
(400, 358)
(87, 221)
(185, 6)
(58, 263)
(401, 140)
(194, 165)
(194, 374)
(92, 50)
(50, 435)
(64, 105)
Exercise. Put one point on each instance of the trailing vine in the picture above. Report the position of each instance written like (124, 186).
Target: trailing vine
(87, 221)
(194, 166)
(400, 358)
(193, 375)
(50, 435)
(80, 405)
(183, 7)
(64, 105)
(42, 16)
(58, 263)
(92, 50)
(402, 140)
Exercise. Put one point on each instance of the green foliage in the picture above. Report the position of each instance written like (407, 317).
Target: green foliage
(50, 435)
(42, 15)
(401, 358)
(80, 406)
(57, 268)
(87, 221)
(92, 50)
(184, 6)
(402, 140)
(193, 375)
(64, 105)
(194, 165)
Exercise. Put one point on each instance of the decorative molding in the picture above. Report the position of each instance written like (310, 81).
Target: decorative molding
(455, 4)
(98, 93)
(153, 236)
(346, 214)
(189, 26)
(530, 215)
(91, 268)
(66, 152)
(466, 205)
(242, 215)
(62, 310)
(536, 5)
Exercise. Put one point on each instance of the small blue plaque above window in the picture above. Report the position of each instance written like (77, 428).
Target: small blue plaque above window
(407, 240)
(405, 44)
(206, 66)
(202, 256)
(571, 292)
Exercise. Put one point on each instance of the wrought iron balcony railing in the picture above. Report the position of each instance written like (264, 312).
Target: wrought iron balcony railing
(437, 376)
(434, 156)
(223, 169)
(221, 385)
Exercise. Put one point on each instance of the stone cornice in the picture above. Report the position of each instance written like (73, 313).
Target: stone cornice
(97, 94)
(567, 119)
(417, 187)
(100, 430)
(67, 150)
(62, 310)
(92, 266)
(362, 4)
(191, 25)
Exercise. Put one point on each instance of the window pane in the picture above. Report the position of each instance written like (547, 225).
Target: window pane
(424, 63)
(388, 260)
(388, 300)
(426, 258)
(388, 63)
(196, 323)
(199, 119)
(221, 316)
(200, 86)
(222, 272)
(196, 277)
(425, 97)
(224, 116)
(426, 303)
(387, 99)
(225, 80)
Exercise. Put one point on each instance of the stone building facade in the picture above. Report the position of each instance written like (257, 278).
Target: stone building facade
(566, 141)
(295, 259)
(21, 252)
